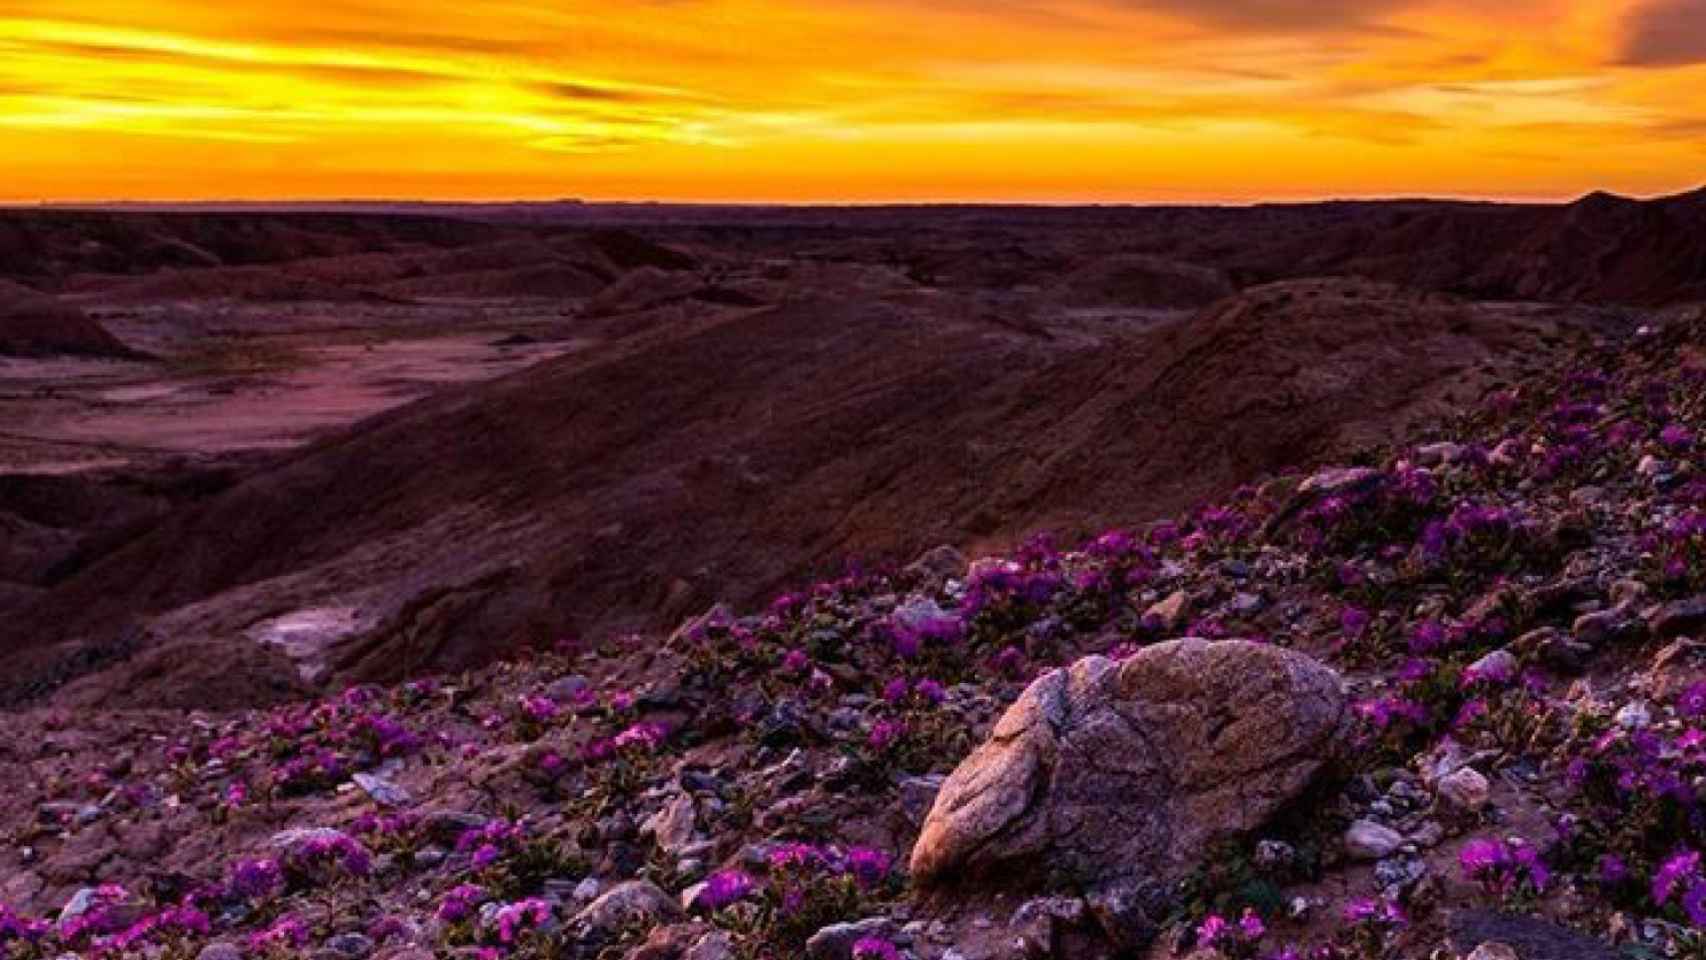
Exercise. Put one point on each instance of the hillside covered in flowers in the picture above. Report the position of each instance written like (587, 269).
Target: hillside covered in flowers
(1514, 599)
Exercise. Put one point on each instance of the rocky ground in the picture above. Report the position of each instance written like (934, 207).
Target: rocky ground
(1443, 699)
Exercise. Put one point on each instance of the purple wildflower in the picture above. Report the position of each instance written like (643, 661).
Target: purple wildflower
(1683, 866)
(724, 888)
(459, 903)
(874, 948)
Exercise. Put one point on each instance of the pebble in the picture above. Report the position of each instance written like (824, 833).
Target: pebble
(1367, 840)
(835, 942)
(352, 945)
(1494, 950)
(1634, 716)
(1465, 789)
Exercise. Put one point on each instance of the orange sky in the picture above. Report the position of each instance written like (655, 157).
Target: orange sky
(857, 100)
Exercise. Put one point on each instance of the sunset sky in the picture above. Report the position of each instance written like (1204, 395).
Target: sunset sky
(850, 100)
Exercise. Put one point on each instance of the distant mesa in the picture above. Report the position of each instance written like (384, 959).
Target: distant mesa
(33, 324)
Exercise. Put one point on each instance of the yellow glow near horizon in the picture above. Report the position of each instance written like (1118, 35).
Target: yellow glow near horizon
(850, 100)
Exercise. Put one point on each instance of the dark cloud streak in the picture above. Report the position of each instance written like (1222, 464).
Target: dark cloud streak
(1278, 16)
(1668, 33)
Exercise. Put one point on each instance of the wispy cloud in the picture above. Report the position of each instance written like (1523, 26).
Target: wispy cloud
(1041, 99)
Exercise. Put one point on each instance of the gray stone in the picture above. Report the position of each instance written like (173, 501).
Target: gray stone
(1437, 454)
(1634, 715)
(835, 942)
(220, 950)
(383, 791)
(1275, 856)
(634, 903)
(1465, 789)
(1594, 629)
(1499, 663)
(1129, 911)
(352, 945)
(938, 565)
(1682, 617)
(715, 945)
(1367, 840)
(1034, 924)
(917, 795)
(1246, 604)
(1532, 938)
(1397, 876)
(672, 826)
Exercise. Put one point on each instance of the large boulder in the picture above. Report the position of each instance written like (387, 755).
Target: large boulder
(1121, 772)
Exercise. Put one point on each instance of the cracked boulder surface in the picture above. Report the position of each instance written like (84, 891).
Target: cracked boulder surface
(1115, 771)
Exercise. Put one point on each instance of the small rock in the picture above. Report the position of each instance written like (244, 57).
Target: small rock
(634, 903)
(220, 950)
(666, 943)
(1682, 617)
(1340, 480)
(1494, 950)
(1499, 663)
(1587, 495)
(60, 812)
(1465, 789)
(1437, 454)
(1626, 593)
(715, 945)
(352, 945)
(938, 565)
(383, 791)
(1507, 453)
(1129, 911)
(672, 826)
(1594, 629)
(835, 942)
(1367, 840)
(689, 896)
(1397, 876)
(1246, 604)
(1429, 835)
(1170, 614)
(567, 690)
(1634, 716)
(917, 795)
(1404, 792)
(1033, 924)
(1275, 856)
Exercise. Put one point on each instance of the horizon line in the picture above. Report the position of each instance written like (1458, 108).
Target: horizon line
(1508, 199)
